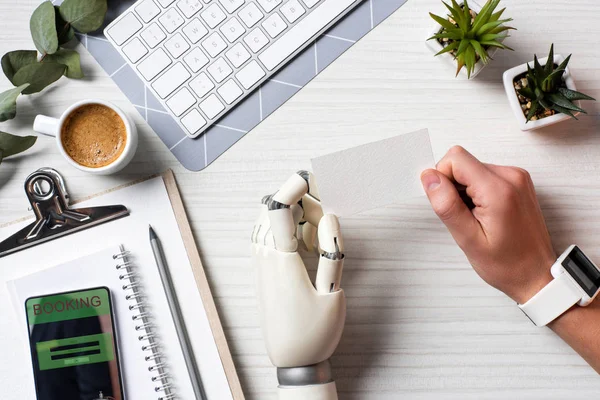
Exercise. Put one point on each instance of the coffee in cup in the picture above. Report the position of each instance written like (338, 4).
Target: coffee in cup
(94, 136)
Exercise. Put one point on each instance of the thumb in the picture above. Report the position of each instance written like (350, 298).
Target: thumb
(450, 208)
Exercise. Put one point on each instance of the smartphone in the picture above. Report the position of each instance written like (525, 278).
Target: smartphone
(73, 345)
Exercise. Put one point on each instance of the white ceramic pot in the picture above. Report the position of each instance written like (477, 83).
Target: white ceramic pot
(436, 46)
(508, 78)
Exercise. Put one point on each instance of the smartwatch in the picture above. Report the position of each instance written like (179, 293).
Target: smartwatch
(576, 281)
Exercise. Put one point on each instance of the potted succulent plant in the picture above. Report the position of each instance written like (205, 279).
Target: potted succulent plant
(543, 94)
(469, 35)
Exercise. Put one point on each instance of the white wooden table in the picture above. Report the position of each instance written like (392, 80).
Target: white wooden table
(421, 324)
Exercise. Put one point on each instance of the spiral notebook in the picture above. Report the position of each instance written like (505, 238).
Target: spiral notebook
(90, 258)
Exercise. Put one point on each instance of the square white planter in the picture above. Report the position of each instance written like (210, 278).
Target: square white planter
(513, 100)
(436, 46)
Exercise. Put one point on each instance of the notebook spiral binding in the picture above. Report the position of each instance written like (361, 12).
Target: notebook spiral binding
(151, 344)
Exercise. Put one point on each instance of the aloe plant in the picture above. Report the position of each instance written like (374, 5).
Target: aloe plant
(469, 37)
(546, 88)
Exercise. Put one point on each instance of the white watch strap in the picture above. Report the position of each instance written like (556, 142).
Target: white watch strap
(552, 301)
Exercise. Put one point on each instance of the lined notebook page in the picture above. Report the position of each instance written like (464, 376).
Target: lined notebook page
(148, 203)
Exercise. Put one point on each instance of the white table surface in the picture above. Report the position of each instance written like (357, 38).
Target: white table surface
(421, 324)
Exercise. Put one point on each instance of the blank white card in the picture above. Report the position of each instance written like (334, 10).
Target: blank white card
(374, 174)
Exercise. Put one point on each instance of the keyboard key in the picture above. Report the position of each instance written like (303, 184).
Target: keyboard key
(193, 121)
(310, 3)
(212, 106)
(292, 10)
(177, 45)
(303, 32)
(153, 35)
(269, 5)
(195, 59)
(181, 101)
(147, 10)
(168, 82)
(125, 28)
(230, 91)
(195, 30)
(251, 15)
(232, 29)
(165, 3)
(202, 85)
(237, 55)
(189, 7)
(231, 5)
(213, 15)
(214, 44)
(250, 74)
(219, 70)
(274, 25)
(154, 64)
(135, 50)
(171, 20)
(256, 40)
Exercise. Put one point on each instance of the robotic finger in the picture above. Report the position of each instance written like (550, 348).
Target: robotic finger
(331, 263)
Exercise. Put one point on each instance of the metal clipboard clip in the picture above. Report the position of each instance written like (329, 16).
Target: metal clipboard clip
(47, 194)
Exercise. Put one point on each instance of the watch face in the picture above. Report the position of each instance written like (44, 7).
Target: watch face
(583, 271)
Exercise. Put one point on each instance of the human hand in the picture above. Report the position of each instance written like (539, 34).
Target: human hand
(504, 236)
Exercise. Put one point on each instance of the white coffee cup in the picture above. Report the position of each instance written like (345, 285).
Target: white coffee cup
(53, 127)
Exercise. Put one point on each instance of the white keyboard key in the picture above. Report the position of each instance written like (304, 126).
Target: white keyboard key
(292, 10)
(147, 10)
(195, 30)
(196, 59)
(153, 35)
(171, 20)
(214, 44)
(219, 70)
(251, 15)
(181, 101)
(256, 40)
(303, 32)
(213, 15)
(135, 50)
(230, 91)
(193, 121)
(212, 106)
(250, 74)
(125, 28)
(231, 5)
(168, 82)
(232, 29)
(310, 3)
(269, 5)
(237, 55)
(202, 85)
(177, 45)
(189, 7)
(274, 25)
(154, 64)
(165, 3)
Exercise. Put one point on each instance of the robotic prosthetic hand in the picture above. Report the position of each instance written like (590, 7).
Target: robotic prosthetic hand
(302, 324)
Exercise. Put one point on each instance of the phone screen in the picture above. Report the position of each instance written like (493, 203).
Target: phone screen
(73, 348)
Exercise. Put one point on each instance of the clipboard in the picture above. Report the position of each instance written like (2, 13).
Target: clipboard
(197, 268)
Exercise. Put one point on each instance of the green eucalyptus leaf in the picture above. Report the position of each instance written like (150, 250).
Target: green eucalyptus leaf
(70, 59)
(573, 94)
(84, 15)
(65, 31)
(15, 60)
(39, 75)
(13, 144)
(43, 28)
(8, 102)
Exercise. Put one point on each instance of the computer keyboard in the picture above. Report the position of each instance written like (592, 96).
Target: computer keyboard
(202, 57)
